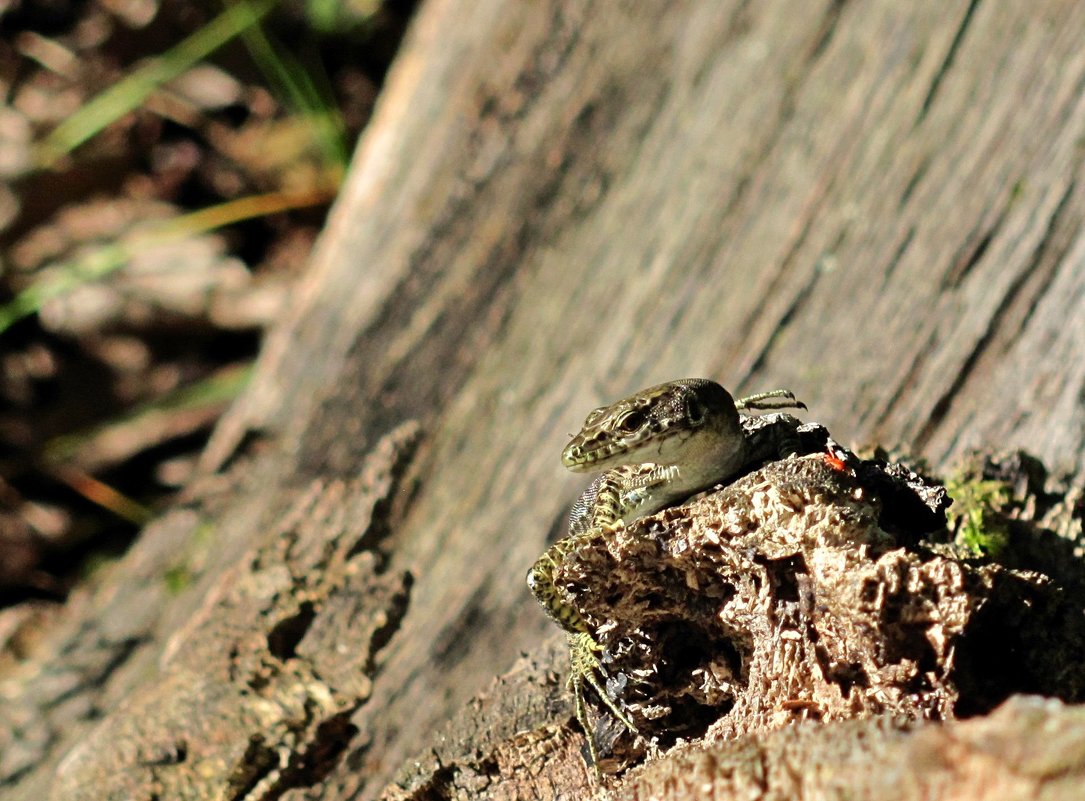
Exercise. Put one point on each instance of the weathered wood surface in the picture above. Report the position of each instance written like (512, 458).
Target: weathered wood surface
(1025, 750)
(878, 205)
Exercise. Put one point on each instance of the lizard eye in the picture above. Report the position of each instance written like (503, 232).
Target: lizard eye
(694, 411)
(631, 422)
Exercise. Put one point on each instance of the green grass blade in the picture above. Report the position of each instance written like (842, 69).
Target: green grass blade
(130, 92)
(299, 93)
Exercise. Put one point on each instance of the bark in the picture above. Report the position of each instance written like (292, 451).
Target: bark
(877, 205)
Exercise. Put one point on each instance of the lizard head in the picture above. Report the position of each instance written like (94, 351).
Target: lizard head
(665, 424)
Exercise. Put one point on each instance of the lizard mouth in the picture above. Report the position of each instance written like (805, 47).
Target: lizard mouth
(584, 454)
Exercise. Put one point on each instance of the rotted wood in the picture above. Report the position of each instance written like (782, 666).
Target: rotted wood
(877, 205)
(815, 590)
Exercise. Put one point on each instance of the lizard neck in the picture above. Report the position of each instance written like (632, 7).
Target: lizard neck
(710, 461)
(635, 491)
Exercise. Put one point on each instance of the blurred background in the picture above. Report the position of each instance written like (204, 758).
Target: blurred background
(165, 166)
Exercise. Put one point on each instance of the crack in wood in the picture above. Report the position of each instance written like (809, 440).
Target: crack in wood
(798, 299)
(947, 62)
(898, 255)
(1062, 229)
(827, 29)
(973, 249)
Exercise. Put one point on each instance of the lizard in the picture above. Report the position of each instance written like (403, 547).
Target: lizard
(656, 448)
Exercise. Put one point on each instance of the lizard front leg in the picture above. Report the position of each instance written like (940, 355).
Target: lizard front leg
(616, 495)
(583, 647)
(541, 579)
(598, 513)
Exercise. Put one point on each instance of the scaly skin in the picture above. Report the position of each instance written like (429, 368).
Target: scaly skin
(657, 448)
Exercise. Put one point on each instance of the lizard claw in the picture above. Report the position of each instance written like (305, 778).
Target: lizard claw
(585, 667)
